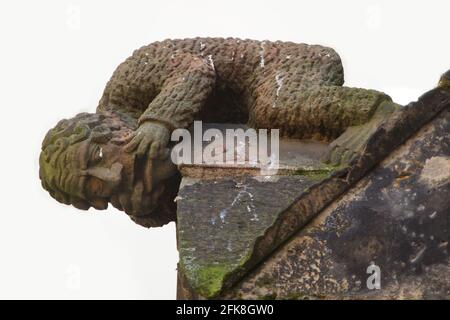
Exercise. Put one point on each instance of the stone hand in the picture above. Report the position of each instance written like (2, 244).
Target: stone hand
(150, 138)
(352, 142)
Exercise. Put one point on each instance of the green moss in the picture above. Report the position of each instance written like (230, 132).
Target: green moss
(209, 280)
(316, 174)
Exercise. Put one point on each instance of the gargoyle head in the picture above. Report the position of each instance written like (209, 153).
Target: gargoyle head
(83, 163)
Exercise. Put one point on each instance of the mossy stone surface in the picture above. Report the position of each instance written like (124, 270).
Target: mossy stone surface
(219, 222)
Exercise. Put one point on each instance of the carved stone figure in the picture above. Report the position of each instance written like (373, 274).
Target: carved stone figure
(119, 154)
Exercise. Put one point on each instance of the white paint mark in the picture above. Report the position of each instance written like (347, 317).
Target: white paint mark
(250, 207)
(211, 61)
(261, 55)
(418, 255)
(223, 214)
(279, 81)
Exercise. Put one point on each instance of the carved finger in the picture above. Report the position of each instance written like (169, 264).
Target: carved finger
(148, 176)
(348, 155)
(155, 150)
(327, 157)
(336, 156)
(132, 145)
(129, 137)
(143, 147)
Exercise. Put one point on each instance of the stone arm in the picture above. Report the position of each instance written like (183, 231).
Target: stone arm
(352, 113)
(182, 95)
(346, 116)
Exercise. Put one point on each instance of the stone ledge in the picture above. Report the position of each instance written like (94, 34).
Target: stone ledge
(397, 217)
(208, 268)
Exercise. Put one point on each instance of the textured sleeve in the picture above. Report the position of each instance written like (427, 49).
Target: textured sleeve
(183, 93)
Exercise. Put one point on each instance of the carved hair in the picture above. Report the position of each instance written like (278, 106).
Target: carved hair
(57, 173)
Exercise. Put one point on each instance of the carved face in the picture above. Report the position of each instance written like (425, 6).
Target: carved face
(83, 163)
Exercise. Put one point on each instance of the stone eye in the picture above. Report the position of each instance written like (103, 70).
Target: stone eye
(97, 155)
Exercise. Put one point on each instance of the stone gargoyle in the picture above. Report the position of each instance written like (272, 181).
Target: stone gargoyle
(119, 154)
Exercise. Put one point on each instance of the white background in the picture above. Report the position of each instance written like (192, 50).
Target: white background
(56, 57)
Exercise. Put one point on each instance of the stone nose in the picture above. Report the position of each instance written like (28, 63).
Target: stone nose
(112, 175)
